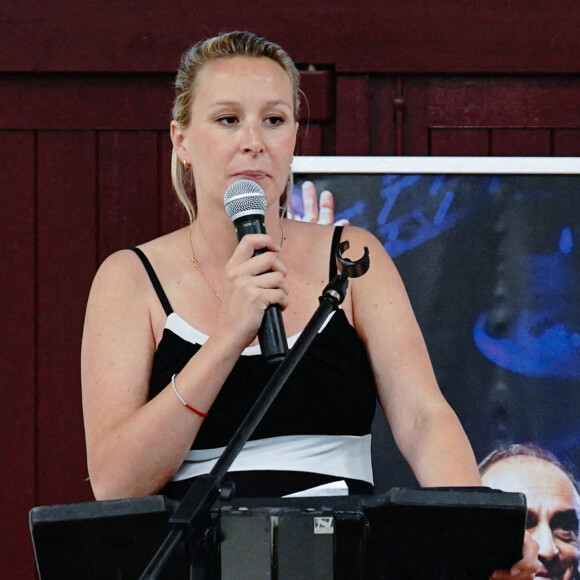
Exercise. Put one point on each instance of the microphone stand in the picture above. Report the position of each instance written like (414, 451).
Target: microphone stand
(191, 518)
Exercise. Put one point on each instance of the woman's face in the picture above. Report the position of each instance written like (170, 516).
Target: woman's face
(242, 127)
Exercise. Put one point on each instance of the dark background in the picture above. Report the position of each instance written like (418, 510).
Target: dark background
(85, 93)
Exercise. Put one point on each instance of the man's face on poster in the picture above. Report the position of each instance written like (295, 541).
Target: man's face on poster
(553, 510)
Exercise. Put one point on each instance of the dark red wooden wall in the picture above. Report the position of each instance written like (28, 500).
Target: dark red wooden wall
(85, 92)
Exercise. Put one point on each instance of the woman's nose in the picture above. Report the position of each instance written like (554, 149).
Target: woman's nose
(252, 140)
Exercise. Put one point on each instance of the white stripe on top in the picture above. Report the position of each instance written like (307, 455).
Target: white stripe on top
(189, 333)
(345, 456)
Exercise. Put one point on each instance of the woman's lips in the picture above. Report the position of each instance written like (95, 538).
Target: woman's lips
(251, 175)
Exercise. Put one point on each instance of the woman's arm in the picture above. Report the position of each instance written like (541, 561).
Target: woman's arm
(424, 426)
(134, 446)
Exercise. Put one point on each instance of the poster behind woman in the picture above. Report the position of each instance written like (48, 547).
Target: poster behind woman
(490, 263)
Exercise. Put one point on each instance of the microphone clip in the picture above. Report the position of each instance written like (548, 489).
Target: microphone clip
(336, 288)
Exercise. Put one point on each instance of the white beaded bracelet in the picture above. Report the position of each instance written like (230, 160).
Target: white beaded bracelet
(182, 400)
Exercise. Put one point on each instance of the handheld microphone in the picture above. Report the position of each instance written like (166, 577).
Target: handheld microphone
(245, 203)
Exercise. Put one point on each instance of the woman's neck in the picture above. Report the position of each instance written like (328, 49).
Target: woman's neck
(213, 241)
(214, 237)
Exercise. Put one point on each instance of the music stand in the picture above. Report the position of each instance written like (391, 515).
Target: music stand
(403, 534)
(112, 540)
(444, 534)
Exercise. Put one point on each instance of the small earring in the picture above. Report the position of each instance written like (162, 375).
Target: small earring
(186, 164)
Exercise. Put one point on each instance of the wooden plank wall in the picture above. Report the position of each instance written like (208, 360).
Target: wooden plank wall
(85, 91)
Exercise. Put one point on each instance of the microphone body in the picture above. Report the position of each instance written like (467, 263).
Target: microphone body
(245, 203)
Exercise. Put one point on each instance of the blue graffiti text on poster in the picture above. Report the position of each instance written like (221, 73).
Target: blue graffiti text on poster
(419, 208)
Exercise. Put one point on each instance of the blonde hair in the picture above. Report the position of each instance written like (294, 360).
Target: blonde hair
(227, 45)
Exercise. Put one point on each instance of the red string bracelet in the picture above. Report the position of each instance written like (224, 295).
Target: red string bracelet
(192, 409)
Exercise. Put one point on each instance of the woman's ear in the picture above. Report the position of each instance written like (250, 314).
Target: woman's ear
(178, 139)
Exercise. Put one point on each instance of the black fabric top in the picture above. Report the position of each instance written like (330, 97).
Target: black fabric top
(331, 392)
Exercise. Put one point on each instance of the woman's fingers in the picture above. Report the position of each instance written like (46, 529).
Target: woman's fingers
(252, 243)
(257, 279)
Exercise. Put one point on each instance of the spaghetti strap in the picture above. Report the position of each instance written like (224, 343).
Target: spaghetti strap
(155, 281)
(333, 270)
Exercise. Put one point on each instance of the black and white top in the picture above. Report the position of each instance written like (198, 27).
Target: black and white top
(316, 431)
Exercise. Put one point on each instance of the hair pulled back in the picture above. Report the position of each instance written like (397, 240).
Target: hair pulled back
(227, 45)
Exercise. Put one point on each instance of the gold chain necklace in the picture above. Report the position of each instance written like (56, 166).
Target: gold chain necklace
(198, 265)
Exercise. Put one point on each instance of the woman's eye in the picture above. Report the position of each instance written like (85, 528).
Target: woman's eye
(275, 120)
(228, 120)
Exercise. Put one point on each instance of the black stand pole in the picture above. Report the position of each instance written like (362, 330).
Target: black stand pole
(190, 520)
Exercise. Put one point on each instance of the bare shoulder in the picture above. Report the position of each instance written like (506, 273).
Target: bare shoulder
(165, 246)
(381, 283)
(120, 272)
(125, 270)
(118, 319)
(314, 241)
(359, 239)
(120, 298)
(379, 297)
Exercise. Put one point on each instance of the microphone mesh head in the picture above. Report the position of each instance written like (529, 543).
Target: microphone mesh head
(244, 197)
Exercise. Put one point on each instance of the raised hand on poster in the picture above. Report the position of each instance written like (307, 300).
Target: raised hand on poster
(314, 212)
